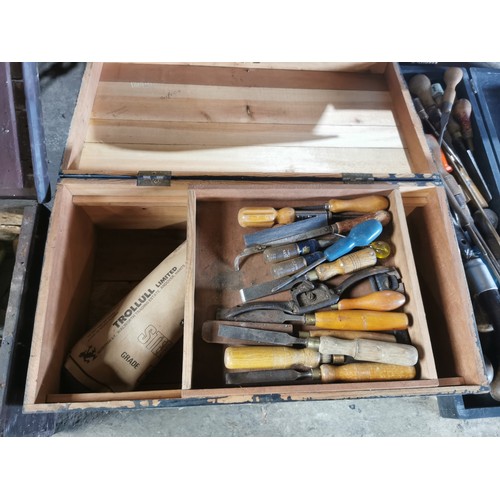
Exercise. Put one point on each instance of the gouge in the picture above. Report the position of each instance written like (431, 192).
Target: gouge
(361, 235)
(358, 349)
(352, 372)
(268, 216)
(372, 321)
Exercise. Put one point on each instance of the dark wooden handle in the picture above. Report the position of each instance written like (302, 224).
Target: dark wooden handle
(344, 226)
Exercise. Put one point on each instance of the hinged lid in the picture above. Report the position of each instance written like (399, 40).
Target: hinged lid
(246, 120)
(23, 166)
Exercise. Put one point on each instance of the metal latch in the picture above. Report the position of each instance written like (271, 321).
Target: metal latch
(153, 178)
(358, 178)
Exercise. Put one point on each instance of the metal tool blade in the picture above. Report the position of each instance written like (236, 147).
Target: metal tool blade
(260, 336)
(272, 234)
(265, 289)
(260, 316)
(266, 377)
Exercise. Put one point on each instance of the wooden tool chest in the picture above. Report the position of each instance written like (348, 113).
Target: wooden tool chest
(161, 153)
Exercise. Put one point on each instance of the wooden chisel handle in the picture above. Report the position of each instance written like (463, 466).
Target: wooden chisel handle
(383, 300)
(344, 226)
(271, 358)
(363, 204)
(370, 350)
(348, 264)
(358, 320)
(349, 335)
(366, 372)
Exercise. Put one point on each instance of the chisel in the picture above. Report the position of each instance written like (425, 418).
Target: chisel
(372, 321)
(358, 349)
(352, 372)
(361, 235)
(268, 216)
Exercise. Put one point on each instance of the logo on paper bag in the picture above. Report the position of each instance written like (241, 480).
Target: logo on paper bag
(88, 355)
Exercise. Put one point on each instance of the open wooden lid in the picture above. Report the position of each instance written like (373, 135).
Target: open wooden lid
(245, 119)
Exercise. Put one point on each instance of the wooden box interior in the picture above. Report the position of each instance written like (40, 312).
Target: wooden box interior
(211, 121)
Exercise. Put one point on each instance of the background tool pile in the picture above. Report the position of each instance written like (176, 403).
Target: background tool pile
(447, 121)
(347, 303)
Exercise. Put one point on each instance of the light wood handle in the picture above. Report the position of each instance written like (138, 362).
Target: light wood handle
(358, 320)
(349, 335)
(384, 300)
(370, 350)
(348, 264)
(270, 358)
(420, 86)
(344, 226)
(265, 216)
(364, 204)
(452, 77)
(366, 372)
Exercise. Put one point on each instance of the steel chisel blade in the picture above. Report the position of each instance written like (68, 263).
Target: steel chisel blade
(276, 233)
(266, 377)
(261, 336)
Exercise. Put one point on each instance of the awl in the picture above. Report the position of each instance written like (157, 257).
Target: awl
(359, 349)
(352, 372)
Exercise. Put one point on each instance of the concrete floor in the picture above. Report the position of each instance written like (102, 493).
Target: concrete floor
(395, 417)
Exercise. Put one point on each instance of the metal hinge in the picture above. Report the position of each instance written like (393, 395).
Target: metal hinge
(153, 178)
(358, 178)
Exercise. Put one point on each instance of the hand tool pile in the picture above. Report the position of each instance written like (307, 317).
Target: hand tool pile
(447, 122)
(343, 337)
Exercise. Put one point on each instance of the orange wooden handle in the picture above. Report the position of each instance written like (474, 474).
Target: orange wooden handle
(366, 372)
(384, 300)
(344, 226)
(363, 204)
(358, 320)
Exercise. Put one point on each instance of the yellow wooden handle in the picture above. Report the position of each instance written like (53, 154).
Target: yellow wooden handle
(370, 350)
(366, 372)
(265, 216)
(420, 86)
(270, 358)
(358, 320)
(384, 300)
(363, 204)
(349, 335)
(348, 264)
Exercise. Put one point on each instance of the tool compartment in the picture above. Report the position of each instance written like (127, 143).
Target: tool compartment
(225, 135)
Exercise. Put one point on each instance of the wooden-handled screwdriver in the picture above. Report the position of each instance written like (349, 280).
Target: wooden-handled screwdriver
(268, 216)
(352, 372)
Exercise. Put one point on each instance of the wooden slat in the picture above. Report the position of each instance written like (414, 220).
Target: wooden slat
(217, 134)
(147, 101)
(250, 160)
(256, 76)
